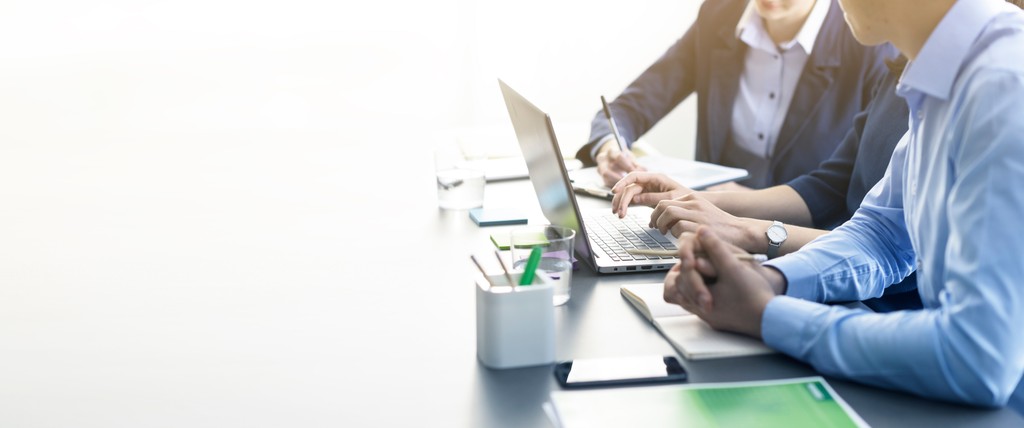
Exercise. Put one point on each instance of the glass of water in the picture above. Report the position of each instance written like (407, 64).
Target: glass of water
(556, 244)
(458, 187)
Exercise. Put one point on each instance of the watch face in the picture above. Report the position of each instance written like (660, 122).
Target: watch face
(777, 233)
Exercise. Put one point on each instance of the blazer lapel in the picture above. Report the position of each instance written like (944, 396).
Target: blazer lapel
(811, 90)
(726, 66)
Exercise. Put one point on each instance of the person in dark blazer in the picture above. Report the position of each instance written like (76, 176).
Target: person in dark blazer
(758, 108)
(822, 198)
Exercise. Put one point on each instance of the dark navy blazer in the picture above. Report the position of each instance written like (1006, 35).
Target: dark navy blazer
(834, 190)
(835, 85)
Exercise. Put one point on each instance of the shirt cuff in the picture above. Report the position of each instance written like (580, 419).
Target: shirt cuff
(784, 321)
(597, 146)
(801, 277)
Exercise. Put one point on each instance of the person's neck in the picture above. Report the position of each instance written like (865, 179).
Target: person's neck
(913, 33)
(785, 29)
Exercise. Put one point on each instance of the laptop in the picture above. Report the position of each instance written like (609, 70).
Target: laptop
(602, 238)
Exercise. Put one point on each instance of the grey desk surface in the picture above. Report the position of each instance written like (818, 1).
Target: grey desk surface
(270, 283)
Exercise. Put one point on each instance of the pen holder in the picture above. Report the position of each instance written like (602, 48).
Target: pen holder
(514, 328)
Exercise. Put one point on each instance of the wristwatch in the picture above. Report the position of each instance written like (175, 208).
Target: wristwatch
(776, 236)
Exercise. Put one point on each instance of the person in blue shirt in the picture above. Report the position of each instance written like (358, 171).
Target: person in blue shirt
(948, 207)
(807, 206)
(777, 84)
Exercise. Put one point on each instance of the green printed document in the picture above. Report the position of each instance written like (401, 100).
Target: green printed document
(790, 403)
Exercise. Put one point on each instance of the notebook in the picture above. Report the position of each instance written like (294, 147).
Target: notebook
(800, 402)
(602, 239)
(690, 335)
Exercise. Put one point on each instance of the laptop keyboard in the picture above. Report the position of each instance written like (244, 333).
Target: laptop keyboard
(615, 236)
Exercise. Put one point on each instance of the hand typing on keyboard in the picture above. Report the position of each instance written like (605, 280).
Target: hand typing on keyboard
(644, 188)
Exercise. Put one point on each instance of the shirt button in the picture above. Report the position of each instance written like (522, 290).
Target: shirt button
(771, 96)
(776, 56)
(920, 115)
(760, 136)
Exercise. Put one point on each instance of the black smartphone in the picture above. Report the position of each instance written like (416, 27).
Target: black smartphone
(619, 371)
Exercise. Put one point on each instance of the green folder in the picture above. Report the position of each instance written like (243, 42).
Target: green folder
(791, 403)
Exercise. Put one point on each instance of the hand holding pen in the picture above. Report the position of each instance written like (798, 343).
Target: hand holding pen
(614, 161)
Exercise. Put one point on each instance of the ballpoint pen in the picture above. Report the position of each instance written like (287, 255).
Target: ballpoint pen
(615, 129)
(760, 258)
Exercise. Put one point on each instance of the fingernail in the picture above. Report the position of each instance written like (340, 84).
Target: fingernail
(704, 303)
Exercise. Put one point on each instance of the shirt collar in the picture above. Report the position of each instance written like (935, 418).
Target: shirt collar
(937, 64)
(750, 28)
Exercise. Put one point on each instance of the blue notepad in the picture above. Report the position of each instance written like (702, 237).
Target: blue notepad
(496, 217)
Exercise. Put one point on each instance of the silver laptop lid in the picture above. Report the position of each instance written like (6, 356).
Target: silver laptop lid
(550, 180)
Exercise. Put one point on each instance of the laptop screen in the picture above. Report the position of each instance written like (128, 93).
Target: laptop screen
(544, 161)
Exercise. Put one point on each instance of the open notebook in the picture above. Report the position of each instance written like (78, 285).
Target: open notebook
(690, 335)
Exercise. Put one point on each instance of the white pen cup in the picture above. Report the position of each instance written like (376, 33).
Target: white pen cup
(556, 260)
(458, 187)
(515, 326)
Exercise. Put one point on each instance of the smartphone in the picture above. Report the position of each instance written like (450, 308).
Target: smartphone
(619, 371)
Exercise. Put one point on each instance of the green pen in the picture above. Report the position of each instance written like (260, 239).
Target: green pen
(531, 267)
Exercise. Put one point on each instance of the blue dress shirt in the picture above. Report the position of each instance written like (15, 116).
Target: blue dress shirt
(950, 207)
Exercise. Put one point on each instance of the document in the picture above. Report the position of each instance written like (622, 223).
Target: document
(690, 335)
(801, 402)
(693, 174)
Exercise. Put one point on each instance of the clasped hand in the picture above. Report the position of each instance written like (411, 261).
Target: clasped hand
(727, 293)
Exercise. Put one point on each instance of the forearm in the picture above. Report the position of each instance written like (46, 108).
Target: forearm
(780, 203)
(940, 354)
(755, 240)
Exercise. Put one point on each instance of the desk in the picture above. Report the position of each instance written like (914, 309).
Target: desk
(265, 283)
(598, 322)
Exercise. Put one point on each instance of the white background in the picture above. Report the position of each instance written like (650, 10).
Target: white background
(388, 73)
(193, 195)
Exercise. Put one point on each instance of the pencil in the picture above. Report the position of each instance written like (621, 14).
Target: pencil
(502, 263)
(760, 258)
(481, 268)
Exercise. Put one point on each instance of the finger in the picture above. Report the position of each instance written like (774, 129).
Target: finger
(659, 210)
(721, 253)
(694, 290)
(622, 161)
(671, 293)
(672, 214)
(683, 226)
(626, 161)
(617, 197)
(688, 247)
(628, 179)
(651, 199)
(706, 268)
(628, 196)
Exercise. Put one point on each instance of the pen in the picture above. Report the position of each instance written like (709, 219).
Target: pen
(760, 258)
(615, 129)
(507, 276)
(531, 266)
